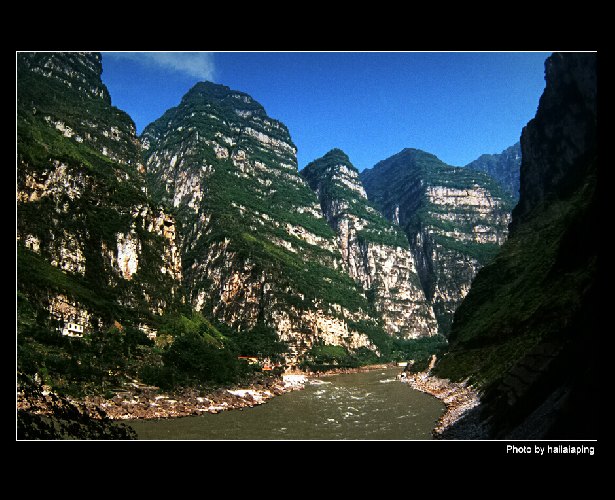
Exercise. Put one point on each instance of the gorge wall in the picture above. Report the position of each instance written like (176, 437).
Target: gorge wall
(527, 334)
(92, 249)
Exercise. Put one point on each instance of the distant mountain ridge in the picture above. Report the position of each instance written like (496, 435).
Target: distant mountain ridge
(503, 167)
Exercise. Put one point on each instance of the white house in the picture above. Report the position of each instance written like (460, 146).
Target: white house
(71, 329)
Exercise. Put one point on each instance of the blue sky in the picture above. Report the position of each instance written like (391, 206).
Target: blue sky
(372, 105)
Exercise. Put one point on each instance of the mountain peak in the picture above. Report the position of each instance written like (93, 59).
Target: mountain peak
(334, 171)
(417, 154)
(406, 160)
(339, 155)
(222, 95)
(77, 71)
(331, 161)
(207, 88)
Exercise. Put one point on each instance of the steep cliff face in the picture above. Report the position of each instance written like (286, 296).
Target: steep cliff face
(374, 252)
(255, 245)
(455, 220)
(559, 146)
(503, 167)
(91, 248)
(527, 333)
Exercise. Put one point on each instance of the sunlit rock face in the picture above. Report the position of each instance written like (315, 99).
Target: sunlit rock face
(92, 248)
(455, 220)
(255, 245)
(374, 252)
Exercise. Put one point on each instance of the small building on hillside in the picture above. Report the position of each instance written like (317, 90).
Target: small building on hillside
(70, 318)
(266, 364)
(148, 330)
(71, 329)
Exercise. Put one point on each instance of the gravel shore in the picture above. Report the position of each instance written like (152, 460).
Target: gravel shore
(146, 402)
(458, 397)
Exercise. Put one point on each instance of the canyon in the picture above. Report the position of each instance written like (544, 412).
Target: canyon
(170, 258)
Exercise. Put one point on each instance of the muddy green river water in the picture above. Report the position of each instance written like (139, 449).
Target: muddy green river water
(371, 405)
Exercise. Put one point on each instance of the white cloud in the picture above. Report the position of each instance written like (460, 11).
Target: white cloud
(196, 64)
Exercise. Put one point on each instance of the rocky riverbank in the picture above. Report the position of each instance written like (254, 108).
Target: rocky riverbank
(147, 402)
(139, 401)
(458, 397)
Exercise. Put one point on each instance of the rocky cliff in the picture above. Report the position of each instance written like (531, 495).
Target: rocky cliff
(255, 246)
(374, 251)
(455, 220)
(92, 249)
(503, 167)
(527, 333)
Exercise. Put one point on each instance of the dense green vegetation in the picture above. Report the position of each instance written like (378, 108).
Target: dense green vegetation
(197, 352)
(189, 351)
(324, 357)
(261, 342)
(419, 350)
(482, 252)
(100, 361)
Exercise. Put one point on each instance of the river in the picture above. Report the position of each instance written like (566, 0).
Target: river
(371, 405)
